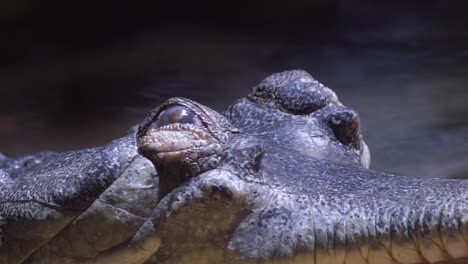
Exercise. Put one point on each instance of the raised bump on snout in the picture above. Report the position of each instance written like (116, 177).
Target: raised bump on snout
(295, 92)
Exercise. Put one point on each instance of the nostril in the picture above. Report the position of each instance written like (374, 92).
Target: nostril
(336, 120)
(344, 122)
(344, 119)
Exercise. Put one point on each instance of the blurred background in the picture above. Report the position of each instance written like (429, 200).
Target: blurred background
(79, 74)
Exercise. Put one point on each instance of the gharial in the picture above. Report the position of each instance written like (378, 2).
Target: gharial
(280, 177)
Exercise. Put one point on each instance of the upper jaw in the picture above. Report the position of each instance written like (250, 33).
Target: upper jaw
(266, 223)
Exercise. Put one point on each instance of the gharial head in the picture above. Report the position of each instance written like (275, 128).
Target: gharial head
(184, 138)
(310, 113)
(291, 186)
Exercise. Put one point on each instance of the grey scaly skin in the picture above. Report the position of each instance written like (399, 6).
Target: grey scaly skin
(293, 187)
(74, 207)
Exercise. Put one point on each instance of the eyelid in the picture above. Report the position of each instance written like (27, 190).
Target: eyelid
(177, 113)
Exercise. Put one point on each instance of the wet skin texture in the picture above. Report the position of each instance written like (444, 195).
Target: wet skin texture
(293, 187)
(281, 178)
(58, 207)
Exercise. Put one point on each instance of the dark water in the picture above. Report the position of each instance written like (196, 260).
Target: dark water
(75, 79)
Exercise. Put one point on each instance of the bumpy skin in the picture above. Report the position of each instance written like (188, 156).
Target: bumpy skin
(67, 207)
(293, 187)
(181, 151)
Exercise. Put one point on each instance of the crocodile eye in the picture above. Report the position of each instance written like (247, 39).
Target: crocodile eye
(177, 114)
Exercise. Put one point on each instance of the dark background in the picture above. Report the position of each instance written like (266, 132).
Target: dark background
(79, 74)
